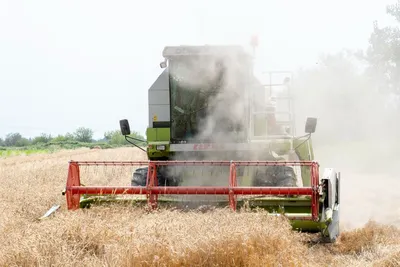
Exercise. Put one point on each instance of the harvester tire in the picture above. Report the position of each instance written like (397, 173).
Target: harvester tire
(275, 176)
(139, 177)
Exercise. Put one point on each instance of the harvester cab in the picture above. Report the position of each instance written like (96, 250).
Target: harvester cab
(218, 136)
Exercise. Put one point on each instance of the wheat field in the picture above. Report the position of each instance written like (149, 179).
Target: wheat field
(128, 236)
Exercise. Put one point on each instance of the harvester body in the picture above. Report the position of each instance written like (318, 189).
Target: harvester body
(219, 136)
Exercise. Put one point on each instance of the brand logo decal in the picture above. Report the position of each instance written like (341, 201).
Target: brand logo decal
(206, 146)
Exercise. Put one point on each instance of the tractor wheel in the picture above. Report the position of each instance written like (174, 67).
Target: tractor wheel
(275, 176)
(139, 177)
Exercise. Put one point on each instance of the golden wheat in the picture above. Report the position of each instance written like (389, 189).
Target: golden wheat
(128, 236)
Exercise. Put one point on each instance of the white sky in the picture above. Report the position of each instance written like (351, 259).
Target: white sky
(65, 64)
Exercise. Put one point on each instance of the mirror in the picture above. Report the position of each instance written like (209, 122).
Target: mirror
(311, 124)
(124, 125)
(163, 64)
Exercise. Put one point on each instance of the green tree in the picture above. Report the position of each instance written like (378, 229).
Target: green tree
(83, 134)
(116, 138)
(63, 138)
(383, 54)
(2, 142)
(23, 142)
(12, 139)
(43, 138)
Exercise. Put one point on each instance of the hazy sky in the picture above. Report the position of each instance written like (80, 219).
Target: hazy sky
(66, 64)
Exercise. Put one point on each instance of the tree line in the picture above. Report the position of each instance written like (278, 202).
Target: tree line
(81, 135)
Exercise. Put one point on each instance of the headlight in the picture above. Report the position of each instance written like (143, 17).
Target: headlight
(160, 147)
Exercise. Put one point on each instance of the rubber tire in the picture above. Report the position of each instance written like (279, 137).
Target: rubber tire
(282, 176)
(139, 178)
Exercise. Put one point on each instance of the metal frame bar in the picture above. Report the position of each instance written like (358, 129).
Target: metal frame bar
(290, 105)
(74, 189)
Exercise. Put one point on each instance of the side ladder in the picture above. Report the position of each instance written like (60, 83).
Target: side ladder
(278, 99)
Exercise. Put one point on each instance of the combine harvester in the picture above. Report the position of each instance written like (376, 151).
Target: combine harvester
(218, 136)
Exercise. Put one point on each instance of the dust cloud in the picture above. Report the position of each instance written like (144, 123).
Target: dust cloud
(224, 81)
(222, 114)
(218, 109)
(357, 134)
(221, 81)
